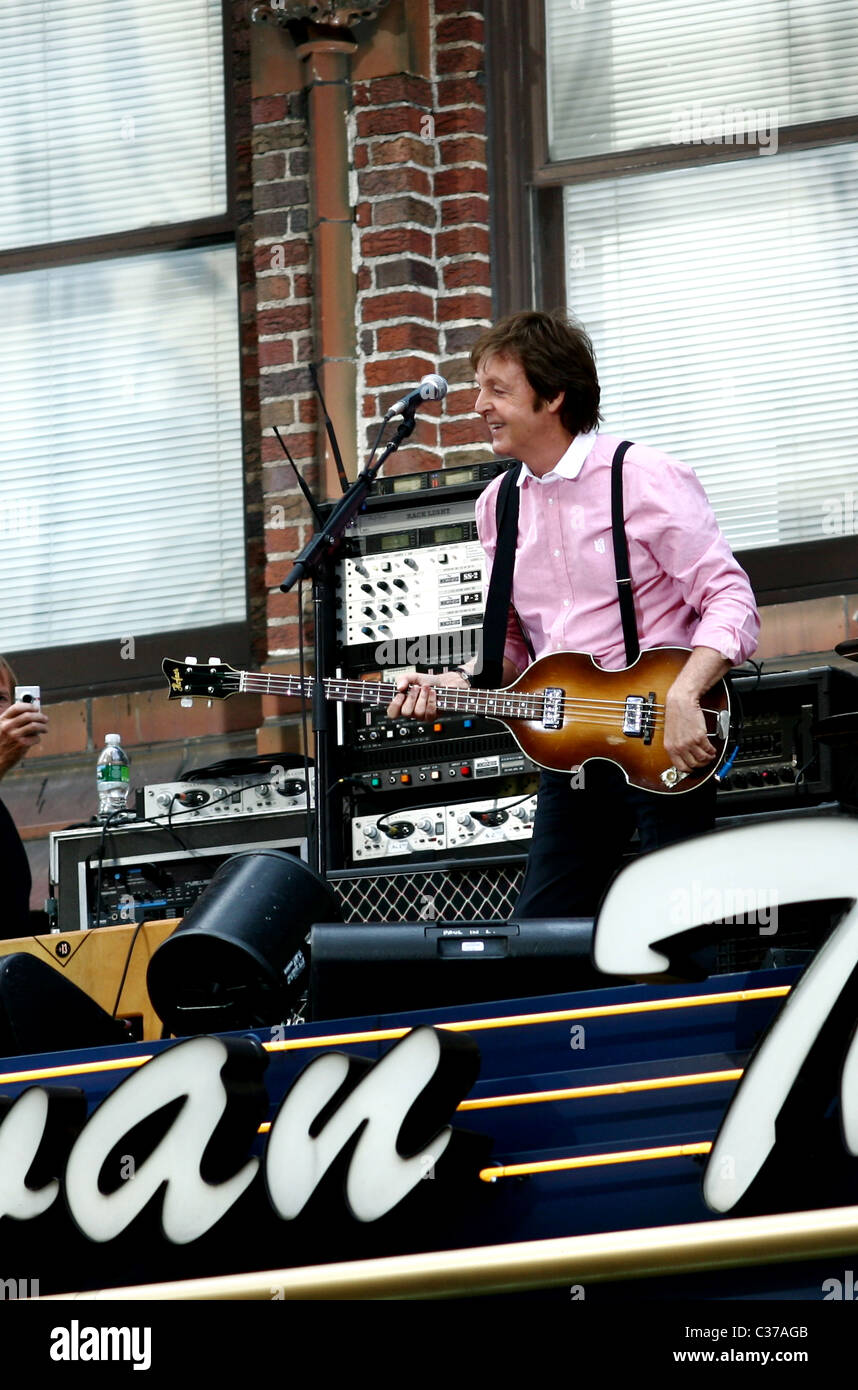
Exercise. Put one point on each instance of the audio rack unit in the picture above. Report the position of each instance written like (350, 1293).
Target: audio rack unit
(411, 587)
(273, 792)
(139, 872)
(465, 827)
(780, 762)
(449, 482)
(410, 593)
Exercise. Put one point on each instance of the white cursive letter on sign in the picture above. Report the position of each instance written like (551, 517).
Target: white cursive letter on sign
(376, 1108)
(195, 1072)
(803, 860)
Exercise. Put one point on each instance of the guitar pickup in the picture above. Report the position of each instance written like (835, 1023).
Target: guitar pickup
(638, 716)
(552, 708)
(634, 713)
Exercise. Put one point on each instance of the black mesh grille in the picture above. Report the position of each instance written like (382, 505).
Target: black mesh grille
(457, 895)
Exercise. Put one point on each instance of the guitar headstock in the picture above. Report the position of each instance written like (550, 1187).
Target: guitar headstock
(213, 681)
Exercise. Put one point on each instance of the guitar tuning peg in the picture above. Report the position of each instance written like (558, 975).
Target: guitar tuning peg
(186, 703)
(214, 661)
(190, 661)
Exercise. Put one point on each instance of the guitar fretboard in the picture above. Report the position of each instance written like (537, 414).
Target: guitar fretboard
(505, 704)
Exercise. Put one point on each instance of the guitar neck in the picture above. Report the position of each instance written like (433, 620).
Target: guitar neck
(503, 703)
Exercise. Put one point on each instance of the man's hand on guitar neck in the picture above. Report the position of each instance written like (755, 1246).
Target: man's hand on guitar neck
(685, 739)
(415, 697)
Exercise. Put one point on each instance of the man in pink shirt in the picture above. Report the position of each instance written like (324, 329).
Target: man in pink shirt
(539, 397)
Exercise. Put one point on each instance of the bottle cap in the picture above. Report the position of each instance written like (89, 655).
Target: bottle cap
(112, 738)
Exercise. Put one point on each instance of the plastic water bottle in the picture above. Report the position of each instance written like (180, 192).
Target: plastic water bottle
(111, 776)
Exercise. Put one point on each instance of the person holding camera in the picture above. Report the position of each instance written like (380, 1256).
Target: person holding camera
(22, 724)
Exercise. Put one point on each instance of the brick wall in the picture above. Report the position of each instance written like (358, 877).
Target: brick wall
(417, 152)
(285, 345)
(424, 279)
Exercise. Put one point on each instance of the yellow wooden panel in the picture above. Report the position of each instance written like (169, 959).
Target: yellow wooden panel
(94, 961)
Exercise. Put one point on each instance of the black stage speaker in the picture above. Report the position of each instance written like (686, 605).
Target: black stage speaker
(383, 968)
(239, 957)
(42, 1011)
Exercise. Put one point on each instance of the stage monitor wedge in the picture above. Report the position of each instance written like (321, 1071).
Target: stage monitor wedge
(382, 967)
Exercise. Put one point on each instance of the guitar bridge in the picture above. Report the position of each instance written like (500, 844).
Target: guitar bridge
(552, 708)
(638, 713)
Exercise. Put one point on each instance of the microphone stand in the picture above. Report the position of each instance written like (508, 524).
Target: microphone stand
(315, 560)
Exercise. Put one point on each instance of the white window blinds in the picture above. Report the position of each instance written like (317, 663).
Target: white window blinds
(723, 305)
(111, 116)
(120, 448)
(721, 297)
(623, 73)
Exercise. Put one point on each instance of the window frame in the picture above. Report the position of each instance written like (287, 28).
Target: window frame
(59, 669)
(527, 239)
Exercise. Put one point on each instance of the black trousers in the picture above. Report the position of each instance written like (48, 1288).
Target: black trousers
(580, 833)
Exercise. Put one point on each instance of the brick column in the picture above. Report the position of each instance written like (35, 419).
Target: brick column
(422, 238)
(397, 165)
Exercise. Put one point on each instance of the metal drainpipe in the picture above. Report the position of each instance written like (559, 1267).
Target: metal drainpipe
(326, 65)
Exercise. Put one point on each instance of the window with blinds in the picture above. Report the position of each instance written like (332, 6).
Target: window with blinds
(720, 295)
(111, 116)
(120, 448)
(121, 481)
(626, 74)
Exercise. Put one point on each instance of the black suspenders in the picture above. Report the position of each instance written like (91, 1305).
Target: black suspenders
(621, 556)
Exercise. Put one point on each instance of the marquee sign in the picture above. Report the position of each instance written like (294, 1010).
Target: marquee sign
(172, 1157)
(178, 1131)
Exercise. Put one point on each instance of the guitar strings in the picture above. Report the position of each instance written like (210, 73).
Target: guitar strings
(469, 701)
(575, 709)
(475, 699)
(571, 709)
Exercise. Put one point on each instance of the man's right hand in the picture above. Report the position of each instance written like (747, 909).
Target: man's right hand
(21, 726)
(415, 698)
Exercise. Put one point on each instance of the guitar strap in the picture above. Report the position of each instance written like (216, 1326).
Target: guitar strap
(500, 584)
(621, 556)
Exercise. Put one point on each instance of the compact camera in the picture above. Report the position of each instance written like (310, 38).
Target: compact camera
(30, 694)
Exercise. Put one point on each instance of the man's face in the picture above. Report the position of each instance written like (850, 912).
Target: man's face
(5, 692)
(517, 419)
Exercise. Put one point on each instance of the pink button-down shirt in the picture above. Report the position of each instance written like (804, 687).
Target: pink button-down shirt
(688, 589)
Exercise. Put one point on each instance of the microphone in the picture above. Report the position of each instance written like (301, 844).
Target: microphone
(432, 388)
